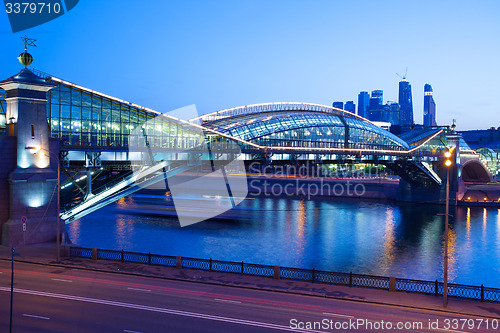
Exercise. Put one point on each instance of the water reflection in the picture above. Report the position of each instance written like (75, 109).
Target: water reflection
(452, 249)
(467, 221)
(403, 240)
(389, 245)
(74, 231)
(124, 232)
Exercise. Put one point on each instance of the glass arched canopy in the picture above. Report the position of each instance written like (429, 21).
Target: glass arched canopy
(301, 125)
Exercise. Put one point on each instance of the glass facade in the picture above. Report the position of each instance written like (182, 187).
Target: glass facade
(437, 142)
(490, 158)
(307, 129)
(81, 117)
(405, 103)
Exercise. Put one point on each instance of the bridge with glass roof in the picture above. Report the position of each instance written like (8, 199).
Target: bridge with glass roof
(102, 138)
(87, 120)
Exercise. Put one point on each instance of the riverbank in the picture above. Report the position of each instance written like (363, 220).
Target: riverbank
(380, 188)
(307, 187)
(481, 195)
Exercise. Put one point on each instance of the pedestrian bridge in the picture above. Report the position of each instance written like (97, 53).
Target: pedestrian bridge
(110, 147)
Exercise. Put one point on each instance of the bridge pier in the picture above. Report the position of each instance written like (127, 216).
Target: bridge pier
(28, 177)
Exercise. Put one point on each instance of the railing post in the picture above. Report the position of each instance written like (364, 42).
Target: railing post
(210, 267)
(350, 279)
(277, 272)
(392, 283)
(149, 258)
(179, 262)
(313, 275)
(123, 255)
(436, 288)
(94, 253)
(482, 293)
(242, 268)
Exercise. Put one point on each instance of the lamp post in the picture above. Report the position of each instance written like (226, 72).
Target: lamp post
(58, 240)
(447, 163)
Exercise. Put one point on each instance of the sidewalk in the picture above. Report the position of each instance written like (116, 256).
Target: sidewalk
(46, 253)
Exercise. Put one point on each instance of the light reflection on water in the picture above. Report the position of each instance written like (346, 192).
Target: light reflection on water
(368, 237)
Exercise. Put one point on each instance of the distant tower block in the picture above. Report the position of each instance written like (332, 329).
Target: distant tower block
(405, 103)
(350, 106)
(363, 104)
(338, 105)
(429, 107)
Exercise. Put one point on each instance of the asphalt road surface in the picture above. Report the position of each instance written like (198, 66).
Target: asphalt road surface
(54, 299)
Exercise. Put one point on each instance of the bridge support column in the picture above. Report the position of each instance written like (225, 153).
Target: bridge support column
(28, 180)
(89, 182)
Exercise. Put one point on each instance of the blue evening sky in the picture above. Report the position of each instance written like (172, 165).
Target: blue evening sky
(221, 54)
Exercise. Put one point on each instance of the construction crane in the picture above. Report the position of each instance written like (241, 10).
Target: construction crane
(404, 76)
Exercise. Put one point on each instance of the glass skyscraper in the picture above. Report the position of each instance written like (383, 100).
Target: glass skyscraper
(375, 108)
(338, 105)
(405, 103)
(363, 103)
(350, 106)
(429, 107)
(378, 94)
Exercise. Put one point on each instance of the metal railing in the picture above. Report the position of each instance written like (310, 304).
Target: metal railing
(290, 273)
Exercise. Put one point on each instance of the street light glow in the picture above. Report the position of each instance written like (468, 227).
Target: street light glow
(447, 163)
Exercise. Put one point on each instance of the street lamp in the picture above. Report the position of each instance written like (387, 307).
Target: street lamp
(447, 163)
(38, 150)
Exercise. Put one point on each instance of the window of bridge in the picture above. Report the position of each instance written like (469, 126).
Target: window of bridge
(76, 97)
(82, 117)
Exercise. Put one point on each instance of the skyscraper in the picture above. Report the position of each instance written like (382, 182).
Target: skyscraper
(379, 94)
(363, 103)
(405, 103)
(429, 107)
(338, 105)
(350, 106)
(393, 115)
(375, 109)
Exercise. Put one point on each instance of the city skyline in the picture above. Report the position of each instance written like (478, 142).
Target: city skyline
(229, 54)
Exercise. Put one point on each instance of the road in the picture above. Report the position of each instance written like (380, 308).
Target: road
(55, 299)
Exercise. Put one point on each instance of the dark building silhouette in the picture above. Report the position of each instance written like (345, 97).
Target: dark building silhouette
(405, 103)
(429, 107)
(363, 104)
(393, 115)
(489, 138)
(350, 106)
(376, 108)
(388, 112)
(338, 105)
(378, 94)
